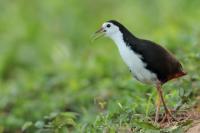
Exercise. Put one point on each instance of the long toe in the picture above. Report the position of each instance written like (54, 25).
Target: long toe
(168, 118)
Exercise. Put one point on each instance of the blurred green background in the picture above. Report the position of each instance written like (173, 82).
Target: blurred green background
(54, 79)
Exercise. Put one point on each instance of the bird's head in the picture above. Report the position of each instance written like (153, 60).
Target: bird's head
(109, 29)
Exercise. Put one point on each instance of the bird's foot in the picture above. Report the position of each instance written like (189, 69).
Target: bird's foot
(168, 117)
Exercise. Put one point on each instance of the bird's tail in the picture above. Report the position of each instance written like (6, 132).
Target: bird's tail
(177, 75)
(180, 74)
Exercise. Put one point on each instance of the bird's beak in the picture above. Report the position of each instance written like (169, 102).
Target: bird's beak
(99, 33)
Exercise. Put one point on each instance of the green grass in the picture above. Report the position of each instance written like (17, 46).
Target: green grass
(54, 79)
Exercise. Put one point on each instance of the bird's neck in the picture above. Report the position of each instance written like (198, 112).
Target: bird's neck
(118, 39)
(121, 40)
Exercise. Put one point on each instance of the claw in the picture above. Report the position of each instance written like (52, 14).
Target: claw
(168, 117)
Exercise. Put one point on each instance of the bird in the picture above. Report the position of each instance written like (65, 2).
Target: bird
(148, 62)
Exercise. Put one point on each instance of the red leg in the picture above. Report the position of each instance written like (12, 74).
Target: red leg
(158, 102)
(167, 112)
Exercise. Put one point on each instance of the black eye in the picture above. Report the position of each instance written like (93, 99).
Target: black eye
(108, 25)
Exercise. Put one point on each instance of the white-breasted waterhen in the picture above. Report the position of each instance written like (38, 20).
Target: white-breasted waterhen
(148, 62)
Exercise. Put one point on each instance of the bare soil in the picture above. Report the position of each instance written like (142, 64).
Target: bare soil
(195, 128)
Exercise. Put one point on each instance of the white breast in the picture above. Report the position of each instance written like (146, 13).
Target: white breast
(133, 61)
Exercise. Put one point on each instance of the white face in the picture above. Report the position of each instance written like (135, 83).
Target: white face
(110, 29)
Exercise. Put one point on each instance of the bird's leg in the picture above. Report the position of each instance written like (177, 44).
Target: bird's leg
(158, 102)
(167, 112)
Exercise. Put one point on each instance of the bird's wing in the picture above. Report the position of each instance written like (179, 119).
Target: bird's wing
(157, 59)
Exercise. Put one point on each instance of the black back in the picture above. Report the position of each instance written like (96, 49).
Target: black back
(158, 60)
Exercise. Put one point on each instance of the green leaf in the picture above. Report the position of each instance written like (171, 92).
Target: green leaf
(146, 125)
(39, 124)
(27, 125)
